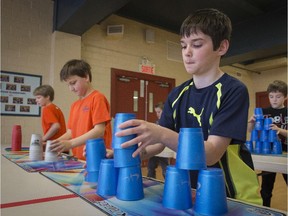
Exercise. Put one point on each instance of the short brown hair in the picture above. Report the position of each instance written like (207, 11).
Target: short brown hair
(76, 67)
(159, 105)
(278, 85)
(45, 91)
(211, 22)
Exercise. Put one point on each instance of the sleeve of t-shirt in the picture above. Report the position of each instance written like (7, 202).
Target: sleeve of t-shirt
(231, 120)
(49, 116)
(101, 110)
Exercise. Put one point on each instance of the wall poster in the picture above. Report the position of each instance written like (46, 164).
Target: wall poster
(17, 97)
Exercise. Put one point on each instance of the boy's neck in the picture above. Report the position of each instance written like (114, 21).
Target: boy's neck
(280, 107)
(47, 104)
(204, 80)
(88, 92)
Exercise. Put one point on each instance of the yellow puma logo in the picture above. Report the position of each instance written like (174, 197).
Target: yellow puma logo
(192, 111)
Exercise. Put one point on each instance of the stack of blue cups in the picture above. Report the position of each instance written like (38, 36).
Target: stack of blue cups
(263, 140)
(129, 183)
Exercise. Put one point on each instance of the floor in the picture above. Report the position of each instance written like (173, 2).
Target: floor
(279, 199)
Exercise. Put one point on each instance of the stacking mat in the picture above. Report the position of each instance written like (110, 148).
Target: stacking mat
(151, 204)
(21, 158)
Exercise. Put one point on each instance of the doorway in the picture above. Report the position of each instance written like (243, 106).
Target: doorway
(135, 92)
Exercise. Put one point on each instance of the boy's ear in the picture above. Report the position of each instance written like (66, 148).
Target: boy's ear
(87, 78)
(223, 48)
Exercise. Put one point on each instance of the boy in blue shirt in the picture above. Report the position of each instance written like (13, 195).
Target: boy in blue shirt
(211, 100)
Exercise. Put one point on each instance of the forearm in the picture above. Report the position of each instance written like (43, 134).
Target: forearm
(51, 132)
(169, 138)
(282, 132)
(66, 136)
(250, 126)
(215, 147)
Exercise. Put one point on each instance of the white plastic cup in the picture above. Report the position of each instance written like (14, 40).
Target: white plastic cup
(50, 156)
(36, 147)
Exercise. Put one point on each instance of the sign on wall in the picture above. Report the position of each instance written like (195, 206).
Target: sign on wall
(17, 94)
(146, 66)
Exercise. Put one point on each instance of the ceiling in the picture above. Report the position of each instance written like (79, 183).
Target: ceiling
(259, 26)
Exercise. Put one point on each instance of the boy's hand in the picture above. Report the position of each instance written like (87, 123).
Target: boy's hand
(109, 152)
(60, 146)
(252, 120)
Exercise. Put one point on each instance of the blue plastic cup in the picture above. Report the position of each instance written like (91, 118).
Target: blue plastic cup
(266, 147)
(272, 135)
(254, 135)
(177, 189)
(120, 118)
(276, 147)
(258, 124)
(211, 193)
(249, 145)
(107, 180)
(258, 147)
(264, 134)
(191, 152)
(95, 152)
(267, 122)
(123, 157)
(92, 177)
(258, 113)
(130, 185)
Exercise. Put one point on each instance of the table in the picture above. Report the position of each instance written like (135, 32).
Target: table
(52, 193)
(270, 163)
(31, 194)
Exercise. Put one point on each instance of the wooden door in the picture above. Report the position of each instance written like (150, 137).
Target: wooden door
(156, 91)
(262, 99)
(138, 93)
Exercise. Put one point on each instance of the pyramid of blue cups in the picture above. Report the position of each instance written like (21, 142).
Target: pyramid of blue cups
(263, 140)
(210, 193)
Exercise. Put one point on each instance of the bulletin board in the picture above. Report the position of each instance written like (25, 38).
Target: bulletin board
(17, 97)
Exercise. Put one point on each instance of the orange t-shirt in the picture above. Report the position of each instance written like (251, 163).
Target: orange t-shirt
(85, 114)
(53, 114)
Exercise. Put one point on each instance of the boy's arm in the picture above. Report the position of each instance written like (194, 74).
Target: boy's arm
(215, 147)
(51, 132)
(96, 132)
(251, 124)
(283, 132)
(65, 143)
(279, 130)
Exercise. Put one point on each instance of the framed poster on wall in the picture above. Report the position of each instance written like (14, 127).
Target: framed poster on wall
(17, 97)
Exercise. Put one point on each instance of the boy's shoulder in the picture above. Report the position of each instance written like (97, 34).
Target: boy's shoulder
(226, 80)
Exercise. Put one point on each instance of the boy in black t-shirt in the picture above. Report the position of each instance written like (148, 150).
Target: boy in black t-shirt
(277, 93)
(211, 100)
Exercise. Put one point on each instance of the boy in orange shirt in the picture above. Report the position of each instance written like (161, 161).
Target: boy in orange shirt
(53, 121)
(89, 116)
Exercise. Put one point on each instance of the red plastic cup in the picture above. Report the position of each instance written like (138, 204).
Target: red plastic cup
(16, 138)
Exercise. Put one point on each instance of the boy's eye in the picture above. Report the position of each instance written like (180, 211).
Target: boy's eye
(72, 83)
(197, 45)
